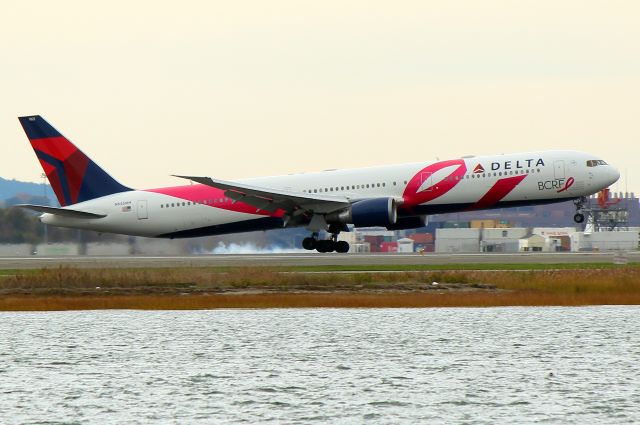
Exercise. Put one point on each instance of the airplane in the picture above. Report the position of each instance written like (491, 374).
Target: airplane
(393, 196)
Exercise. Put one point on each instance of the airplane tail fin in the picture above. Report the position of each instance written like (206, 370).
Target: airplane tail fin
(73, 176)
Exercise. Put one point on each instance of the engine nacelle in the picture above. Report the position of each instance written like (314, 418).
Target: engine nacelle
(403, 223)
(379, 212)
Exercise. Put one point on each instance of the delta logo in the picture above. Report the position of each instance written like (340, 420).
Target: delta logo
(479, 169)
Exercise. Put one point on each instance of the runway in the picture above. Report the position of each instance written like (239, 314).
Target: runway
(312, 259)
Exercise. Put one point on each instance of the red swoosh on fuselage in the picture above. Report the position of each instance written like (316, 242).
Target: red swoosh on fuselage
(498, 191)
(200, 192)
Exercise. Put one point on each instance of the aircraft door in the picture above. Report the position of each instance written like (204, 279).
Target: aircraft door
(143, 212)
(558, 169)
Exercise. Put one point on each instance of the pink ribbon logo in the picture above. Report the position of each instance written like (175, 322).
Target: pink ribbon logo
(568, 184)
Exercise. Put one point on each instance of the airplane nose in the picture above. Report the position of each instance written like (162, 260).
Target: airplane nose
(615, 175)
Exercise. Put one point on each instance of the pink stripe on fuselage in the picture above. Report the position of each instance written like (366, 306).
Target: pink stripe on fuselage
(199, 193)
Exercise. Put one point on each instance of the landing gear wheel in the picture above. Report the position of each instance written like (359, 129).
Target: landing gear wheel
(579, 203)
(325, 246)
(309, 243)
(342, 247)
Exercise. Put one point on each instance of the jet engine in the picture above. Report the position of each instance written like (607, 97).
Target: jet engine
(379, 212)
(403, 223)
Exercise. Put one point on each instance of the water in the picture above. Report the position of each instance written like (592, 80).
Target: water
(497, 365)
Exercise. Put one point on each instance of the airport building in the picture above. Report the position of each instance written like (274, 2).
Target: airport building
(457, 240)
(522, 240)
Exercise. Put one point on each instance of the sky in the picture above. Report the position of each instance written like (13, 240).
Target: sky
(250, 88)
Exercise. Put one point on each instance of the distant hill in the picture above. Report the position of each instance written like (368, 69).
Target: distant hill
(12, 188)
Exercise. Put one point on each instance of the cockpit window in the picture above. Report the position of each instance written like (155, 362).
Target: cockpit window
(595, 162)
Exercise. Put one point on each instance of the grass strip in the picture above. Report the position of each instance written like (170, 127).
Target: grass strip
(68, 288)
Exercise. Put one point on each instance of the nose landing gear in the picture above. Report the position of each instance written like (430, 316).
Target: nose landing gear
(579, 203)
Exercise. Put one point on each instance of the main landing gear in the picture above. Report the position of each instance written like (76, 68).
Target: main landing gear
(326, 245)
(579, 203)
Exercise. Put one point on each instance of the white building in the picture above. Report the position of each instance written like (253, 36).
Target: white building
(502, 239)
(457, 240)
(405, 245)
(604, 241)
(549, 232)
(16, 250)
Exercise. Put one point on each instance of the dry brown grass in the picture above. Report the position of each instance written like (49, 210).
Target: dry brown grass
(68, 280)
(74, 289)
(309, 300)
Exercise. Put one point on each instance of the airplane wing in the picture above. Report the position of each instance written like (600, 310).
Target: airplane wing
(273, 199)
(64, 212)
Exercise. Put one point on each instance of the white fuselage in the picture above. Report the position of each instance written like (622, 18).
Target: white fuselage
(420, 189)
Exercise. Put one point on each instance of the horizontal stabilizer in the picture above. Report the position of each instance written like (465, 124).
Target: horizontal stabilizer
(63, 212)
